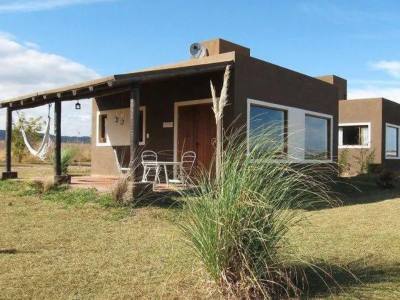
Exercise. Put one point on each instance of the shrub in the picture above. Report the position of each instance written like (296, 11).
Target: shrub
(238, 225)
(120, 193)
(365, 158)
(386, 179)
(67, 157)
(343, 162)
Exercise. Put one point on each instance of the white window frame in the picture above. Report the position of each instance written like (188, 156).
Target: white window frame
(108, 142)
(398, 141)
(98, 143)
(295, 142)
(340, 138)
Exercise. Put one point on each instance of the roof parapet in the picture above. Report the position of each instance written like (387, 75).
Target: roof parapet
(219, 46)
(337, 81)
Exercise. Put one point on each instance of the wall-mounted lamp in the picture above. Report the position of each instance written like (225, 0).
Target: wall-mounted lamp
(77, 105)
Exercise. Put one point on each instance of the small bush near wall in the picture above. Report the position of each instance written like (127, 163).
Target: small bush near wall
(364, 159)
(386, 179)
(343, 162)
(238, 225)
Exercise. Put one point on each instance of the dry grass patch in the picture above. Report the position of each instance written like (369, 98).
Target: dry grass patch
(84, 252)
(88, 251)
(365, 240)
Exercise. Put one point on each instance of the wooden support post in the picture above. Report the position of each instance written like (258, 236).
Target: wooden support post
(138, 188)
(134, 131)
(58, 176)
(8, 174)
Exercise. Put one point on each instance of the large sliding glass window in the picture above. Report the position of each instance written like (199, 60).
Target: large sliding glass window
(317, 138)
(392, 141)
(268, 123)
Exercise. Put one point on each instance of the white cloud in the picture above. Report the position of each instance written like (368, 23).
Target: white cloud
(392, 67)
(24, 69)
(37, 5)
(376, 89)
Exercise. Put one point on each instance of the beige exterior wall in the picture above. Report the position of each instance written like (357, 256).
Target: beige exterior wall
(103, 158)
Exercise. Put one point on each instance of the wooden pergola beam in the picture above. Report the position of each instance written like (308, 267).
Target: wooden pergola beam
(80, 95)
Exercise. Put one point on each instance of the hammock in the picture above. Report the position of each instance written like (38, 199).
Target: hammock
(44, 147)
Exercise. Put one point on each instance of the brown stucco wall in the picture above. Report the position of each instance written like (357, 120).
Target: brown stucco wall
(158, 98)
(390, 114)
(363, 110)
(251, 78)
(218, 46)
(340, 83)
(260, 80)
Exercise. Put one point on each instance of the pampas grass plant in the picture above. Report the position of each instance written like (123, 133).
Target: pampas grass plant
(238, 225)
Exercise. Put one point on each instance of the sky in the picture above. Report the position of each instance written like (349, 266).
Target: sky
(48, 43)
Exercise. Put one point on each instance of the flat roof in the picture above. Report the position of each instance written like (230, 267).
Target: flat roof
(120, 82)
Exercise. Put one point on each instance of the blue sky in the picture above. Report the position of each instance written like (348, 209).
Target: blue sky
(357, 40)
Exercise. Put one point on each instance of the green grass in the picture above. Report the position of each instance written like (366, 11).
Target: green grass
(90, 251)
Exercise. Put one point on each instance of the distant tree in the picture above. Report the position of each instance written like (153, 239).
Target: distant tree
(32, 128)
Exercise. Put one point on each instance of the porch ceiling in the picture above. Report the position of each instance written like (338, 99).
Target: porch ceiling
(120, 82)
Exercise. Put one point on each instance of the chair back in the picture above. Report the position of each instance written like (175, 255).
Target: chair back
(149, 155)
(187, 162)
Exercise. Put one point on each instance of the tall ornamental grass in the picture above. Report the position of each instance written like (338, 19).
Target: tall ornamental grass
(238, 225)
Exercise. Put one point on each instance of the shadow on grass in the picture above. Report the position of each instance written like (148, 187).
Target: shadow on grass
(360, 189)
(329, 280)
(162, 199)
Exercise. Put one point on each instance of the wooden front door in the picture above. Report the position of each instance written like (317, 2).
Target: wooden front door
(197, 132)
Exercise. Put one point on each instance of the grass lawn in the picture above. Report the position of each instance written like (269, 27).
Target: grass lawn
(87, 251)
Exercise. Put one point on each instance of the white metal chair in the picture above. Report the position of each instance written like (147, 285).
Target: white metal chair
(148, 157)
(185, 168)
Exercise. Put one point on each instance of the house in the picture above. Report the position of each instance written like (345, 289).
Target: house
(167, 109)
(369, 133)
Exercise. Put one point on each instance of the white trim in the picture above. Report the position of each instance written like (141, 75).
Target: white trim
(355, 146)
(296, 149)
(108, 143)
(398, 141)
(176, 118)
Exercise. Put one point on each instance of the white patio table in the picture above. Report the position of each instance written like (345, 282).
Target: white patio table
(161, 164)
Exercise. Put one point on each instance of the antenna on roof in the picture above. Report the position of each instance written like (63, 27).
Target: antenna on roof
(197, 50)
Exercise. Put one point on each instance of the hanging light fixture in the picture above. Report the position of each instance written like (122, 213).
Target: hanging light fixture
(77, 105)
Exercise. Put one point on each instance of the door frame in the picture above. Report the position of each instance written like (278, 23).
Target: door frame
(176, 119)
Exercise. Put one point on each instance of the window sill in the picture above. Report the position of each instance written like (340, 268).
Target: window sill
(354, 147)
(299, 161)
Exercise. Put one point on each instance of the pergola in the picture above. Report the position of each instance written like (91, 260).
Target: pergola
(129, 82)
